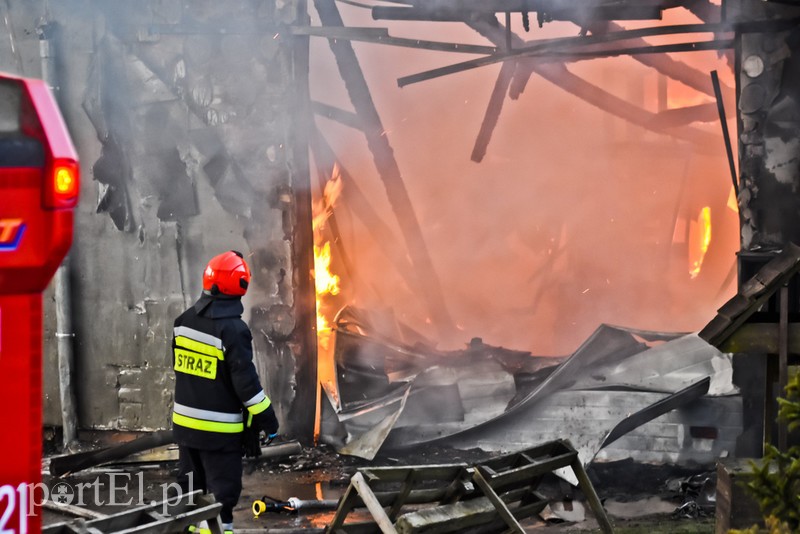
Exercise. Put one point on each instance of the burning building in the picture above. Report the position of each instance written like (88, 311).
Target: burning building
(450, 191)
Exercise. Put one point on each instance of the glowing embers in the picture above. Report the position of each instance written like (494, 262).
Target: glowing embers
(699, 240)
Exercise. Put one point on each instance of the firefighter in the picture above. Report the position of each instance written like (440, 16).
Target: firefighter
(220, 406)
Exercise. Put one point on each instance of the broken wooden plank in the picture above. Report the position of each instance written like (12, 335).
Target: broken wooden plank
(342, 116)
(71, 463)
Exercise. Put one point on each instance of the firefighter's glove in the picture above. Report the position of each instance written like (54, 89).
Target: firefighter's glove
(266, 422)
(251, 448)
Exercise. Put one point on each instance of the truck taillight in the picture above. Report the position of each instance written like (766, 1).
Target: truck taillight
(63, 178)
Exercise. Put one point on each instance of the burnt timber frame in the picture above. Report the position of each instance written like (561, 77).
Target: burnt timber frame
(512, 80)
(549, 58)
(508, 46)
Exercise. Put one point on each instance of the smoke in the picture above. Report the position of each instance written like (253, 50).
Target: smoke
(574, 217)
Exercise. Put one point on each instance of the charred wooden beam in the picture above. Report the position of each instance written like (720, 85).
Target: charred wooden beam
(432, 10)
(342, 116)
(388, 169)
(566, 44)
(414, 14)
(588, 14)
(556, 47)
(579, 13)
(304, 336)
(493, 111)
(693, 46)
(676, 70)
(381, 36)
(559, 75)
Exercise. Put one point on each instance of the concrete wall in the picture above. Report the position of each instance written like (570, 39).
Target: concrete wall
(186, 119)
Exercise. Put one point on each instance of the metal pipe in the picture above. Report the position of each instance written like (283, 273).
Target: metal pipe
(61, 283)
(725, 135)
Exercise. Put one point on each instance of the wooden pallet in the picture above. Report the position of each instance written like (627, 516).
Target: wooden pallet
(496, 493)
(156, 518)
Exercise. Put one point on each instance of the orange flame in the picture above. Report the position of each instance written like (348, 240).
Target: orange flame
(326, 283)
(699, 240)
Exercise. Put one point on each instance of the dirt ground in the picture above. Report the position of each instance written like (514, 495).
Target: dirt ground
(638, 499)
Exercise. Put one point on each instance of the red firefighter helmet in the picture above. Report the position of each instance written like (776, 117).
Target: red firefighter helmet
(228, 274)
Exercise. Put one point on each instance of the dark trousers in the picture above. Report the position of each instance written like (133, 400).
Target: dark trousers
(219, 472)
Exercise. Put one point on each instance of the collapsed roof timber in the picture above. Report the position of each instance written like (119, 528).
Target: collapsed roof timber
(653, 397)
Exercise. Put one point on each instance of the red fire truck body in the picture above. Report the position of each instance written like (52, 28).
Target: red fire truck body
(39, 183)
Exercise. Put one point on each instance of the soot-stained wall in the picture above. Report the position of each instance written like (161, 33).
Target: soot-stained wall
(186, 116)
(769, 124)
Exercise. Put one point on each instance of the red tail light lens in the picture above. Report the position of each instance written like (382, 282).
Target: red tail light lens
(63, 184)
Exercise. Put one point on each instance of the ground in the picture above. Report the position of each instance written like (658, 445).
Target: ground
(638, 499)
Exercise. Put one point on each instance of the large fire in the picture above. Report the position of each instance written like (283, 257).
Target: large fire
(326, 283)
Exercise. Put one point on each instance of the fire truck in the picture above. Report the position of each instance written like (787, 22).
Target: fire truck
(39, 183)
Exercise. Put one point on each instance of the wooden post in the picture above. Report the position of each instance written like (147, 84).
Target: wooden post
(783, 360)
(302, 413)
